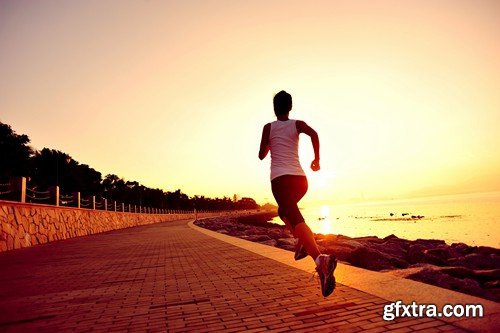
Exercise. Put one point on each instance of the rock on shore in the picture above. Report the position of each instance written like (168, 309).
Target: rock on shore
(472, 270)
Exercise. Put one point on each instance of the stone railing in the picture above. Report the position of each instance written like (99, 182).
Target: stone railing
(24, 225)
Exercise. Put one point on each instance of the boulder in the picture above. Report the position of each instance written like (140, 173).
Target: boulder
(242, 227)
(258, 238)
(487, 274)
(486, 250)
(393, 248)
(492, 285)
(461, 249)
(391, 236)
(349, 243)
(442, 252)
(476, 261)
(417, 254)
(262, 238)
(236, 233)
(438, 278)
(286, 242)
(259, 220)
(328, 240)
(398, 262)
(290, 248)
(371, 239)
(430, 243)
(342, 253)
(458, 272)
(278, 234)
(368, 258)
(319, 236)
(270, 242)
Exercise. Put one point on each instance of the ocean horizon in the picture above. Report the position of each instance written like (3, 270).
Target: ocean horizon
(471, 218)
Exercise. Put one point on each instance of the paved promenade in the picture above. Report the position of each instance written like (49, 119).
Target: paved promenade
(171, 277)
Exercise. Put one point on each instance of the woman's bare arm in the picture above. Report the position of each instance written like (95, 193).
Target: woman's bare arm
(302, 127)
(264, 142)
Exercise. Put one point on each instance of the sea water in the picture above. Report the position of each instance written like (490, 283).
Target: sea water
(473, 219)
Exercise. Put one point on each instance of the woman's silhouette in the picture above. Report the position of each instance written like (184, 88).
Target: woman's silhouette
(289, 182)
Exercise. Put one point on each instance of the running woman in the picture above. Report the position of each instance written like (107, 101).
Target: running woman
(289, 183)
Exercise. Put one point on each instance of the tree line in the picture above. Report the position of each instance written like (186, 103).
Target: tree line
(49, 167)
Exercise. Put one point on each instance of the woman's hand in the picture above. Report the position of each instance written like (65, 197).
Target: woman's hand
(315, 165)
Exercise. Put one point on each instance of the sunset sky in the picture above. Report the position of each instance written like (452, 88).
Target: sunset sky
(174, 94)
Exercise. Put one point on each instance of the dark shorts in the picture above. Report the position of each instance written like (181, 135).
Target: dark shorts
(288, 190)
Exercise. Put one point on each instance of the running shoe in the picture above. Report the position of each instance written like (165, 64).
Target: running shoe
(325, 268)
(300, 251)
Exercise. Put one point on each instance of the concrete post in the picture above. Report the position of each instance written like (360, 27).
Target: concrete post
(105, 204)
(18, 184)
(93, 202)
(54, 192)
(76, 197)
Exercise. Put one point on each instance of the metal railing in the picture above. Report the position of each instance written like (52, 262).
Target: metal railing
(17, 190)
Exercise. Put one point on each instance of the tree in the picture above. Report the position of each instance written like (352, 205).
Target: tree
(246, 203)
(50, 168)
(113, 187)
(178, 200)
(15, 153)
(86, 180)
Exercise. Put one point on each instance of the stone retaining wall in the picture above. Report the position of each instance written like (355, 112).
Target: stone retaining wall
(24, 225)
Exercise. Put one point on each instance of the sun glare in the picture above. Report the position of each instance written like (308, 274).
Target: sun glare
(325, 211)
(326, 227)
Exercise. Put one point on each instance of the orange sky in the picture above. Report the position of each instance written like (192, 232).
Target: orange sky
(404, 94)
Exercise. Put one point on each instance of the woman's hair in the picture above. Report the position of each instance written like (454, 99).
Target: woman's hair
(282, 102)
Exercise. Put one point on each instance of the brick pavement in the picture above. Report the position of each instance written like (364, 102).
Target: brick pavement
(169, 277)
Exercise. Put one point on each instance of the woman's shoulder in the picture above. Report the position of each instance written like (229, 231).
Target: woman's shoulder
(300, 125)
(267, 127)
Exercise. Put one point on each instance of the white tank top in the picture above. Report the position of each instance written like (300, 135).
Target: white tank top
(284, 143)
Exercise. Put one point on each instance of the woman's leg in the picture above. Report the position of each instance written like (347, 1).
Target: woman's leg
(306, 237)
(288, 190)
(287, 222)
